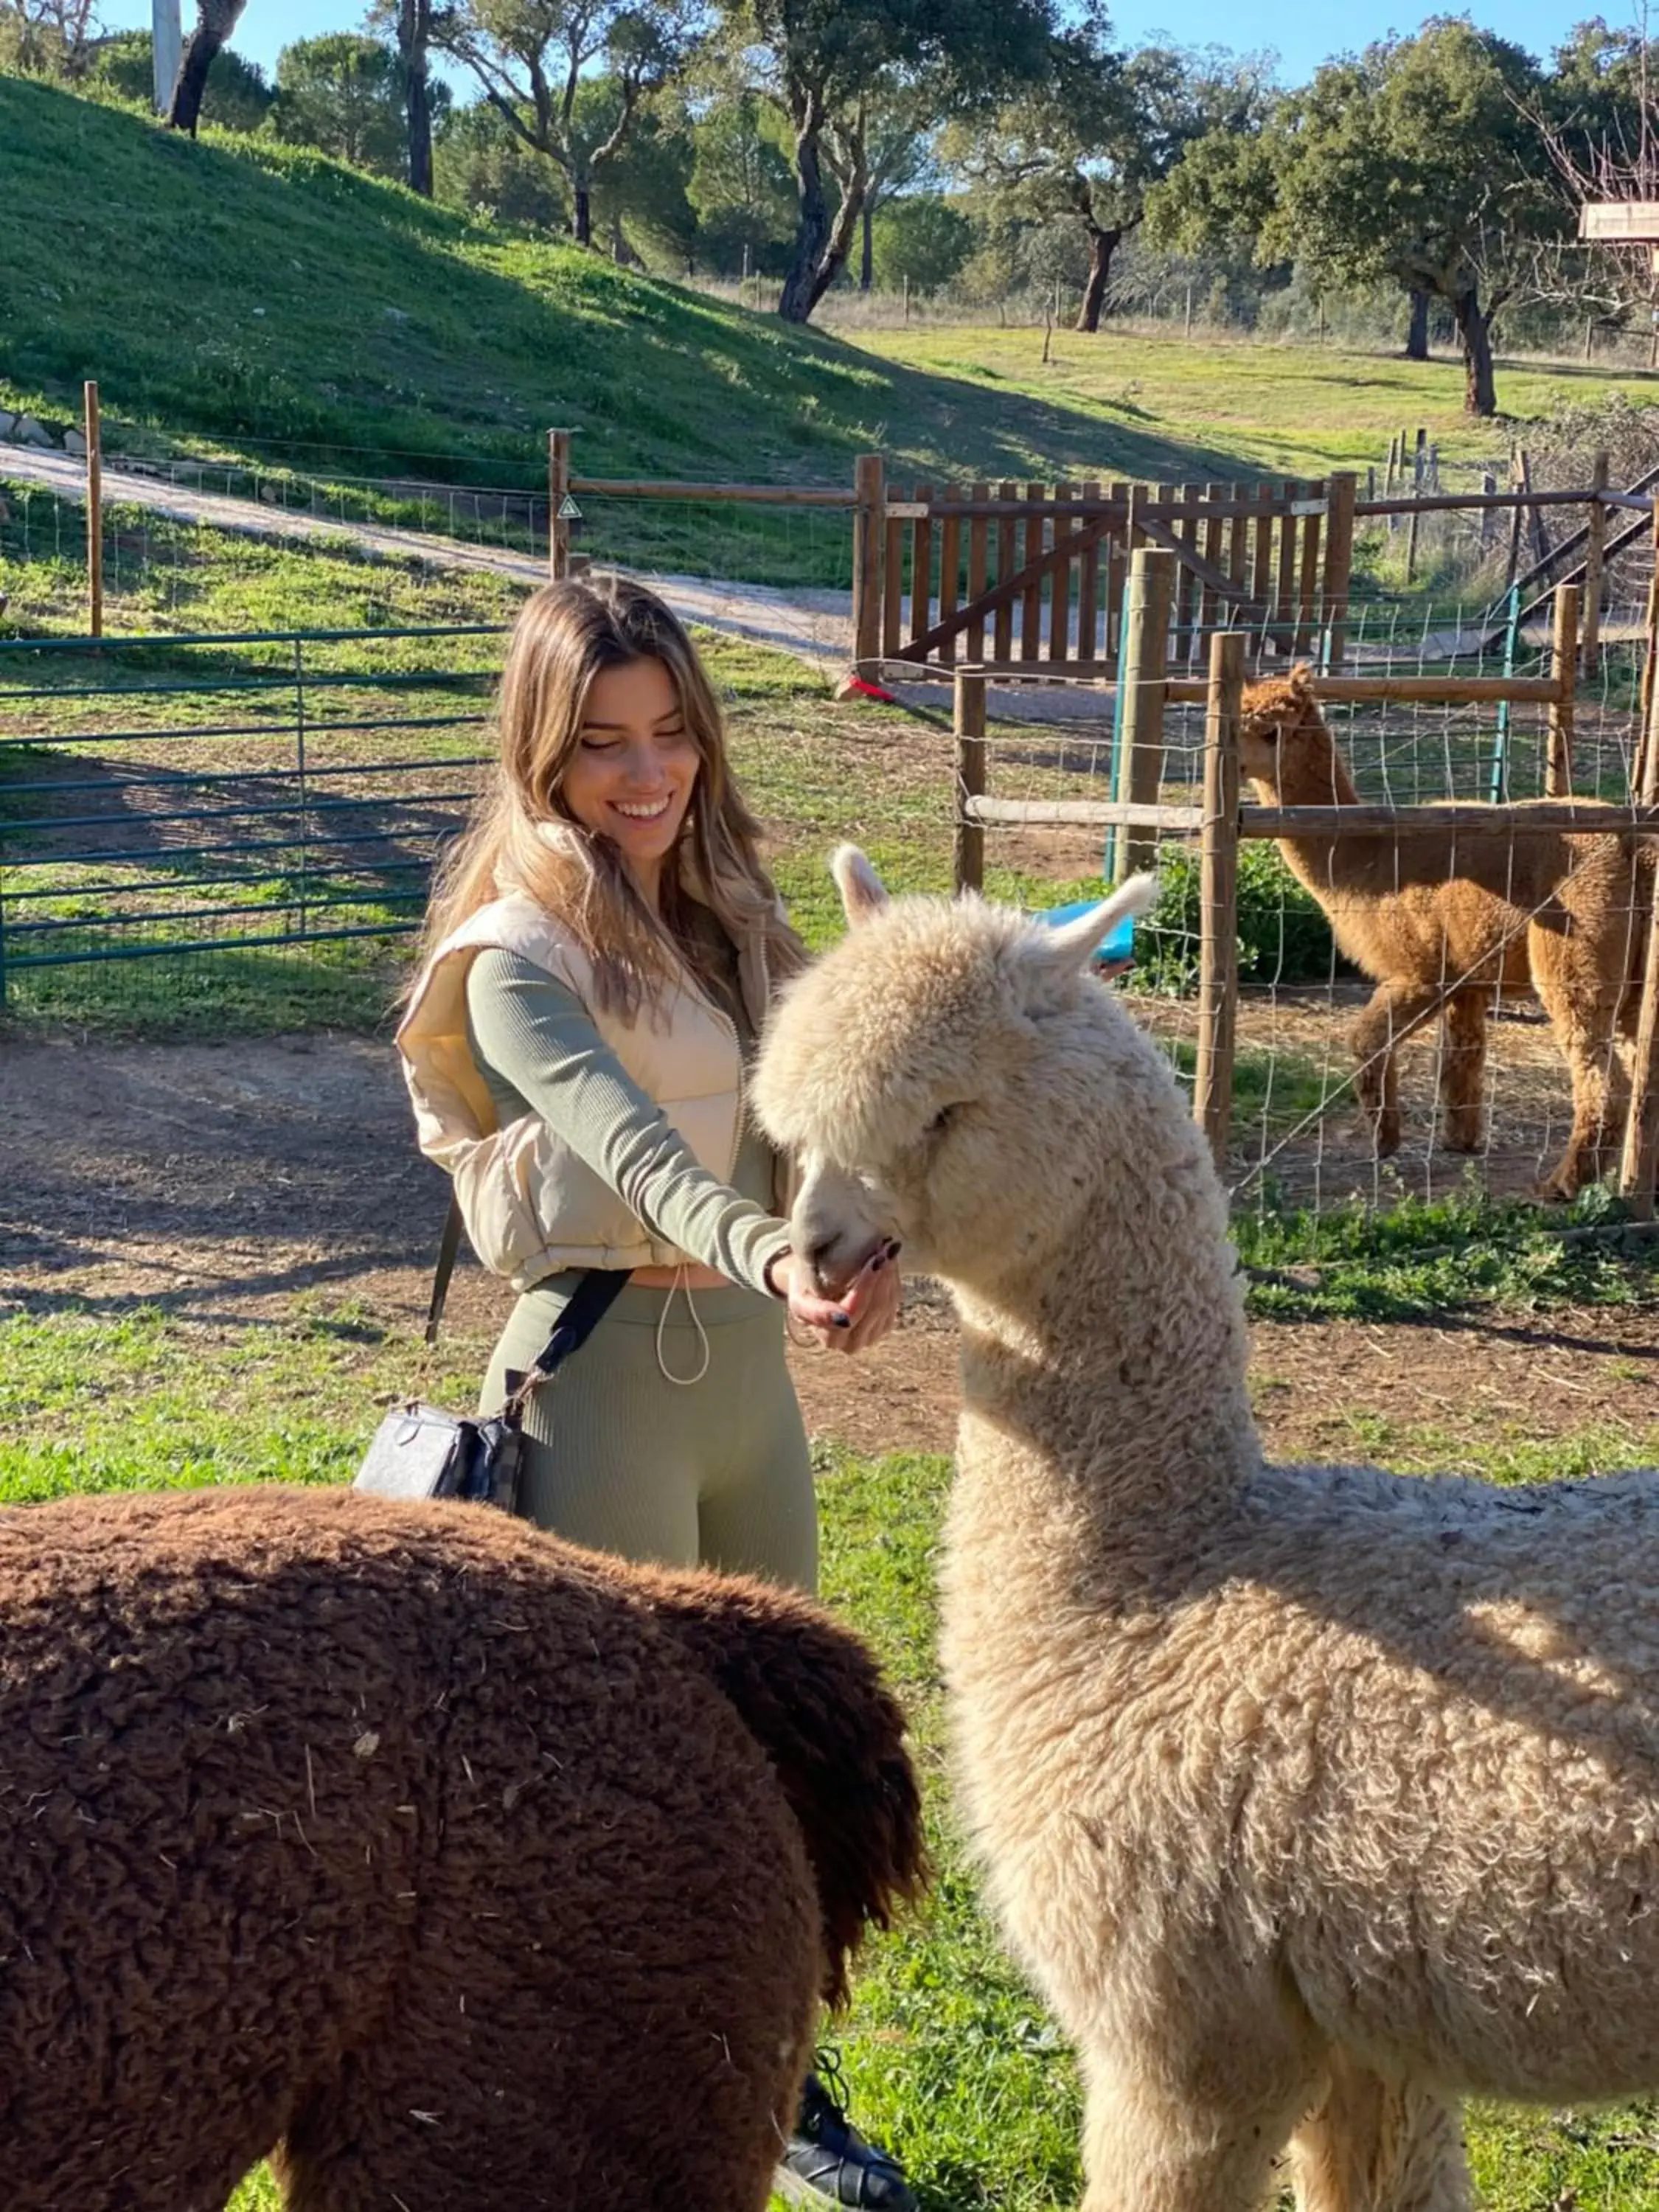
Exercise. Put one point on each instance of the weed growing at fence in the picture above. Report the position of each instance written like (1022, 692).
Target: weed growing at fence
(1418, 1259)
(1283, 935)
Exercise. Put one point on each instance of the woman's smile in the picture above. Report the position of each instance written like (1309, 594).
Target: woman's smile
(632, 771)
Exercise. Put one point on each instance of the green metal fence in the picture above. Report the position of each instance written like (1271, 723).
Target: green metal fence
(165, 799)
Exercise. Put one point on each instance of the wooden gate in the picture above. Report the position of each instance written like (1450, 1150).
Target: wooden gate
(1020, 579)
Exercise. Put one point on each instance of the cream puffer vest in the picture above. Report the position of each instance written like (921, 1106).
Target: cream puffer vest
(531, 1205)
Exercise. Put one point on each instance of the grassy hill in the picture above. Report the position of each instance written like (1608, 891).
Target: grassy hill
(235, 292)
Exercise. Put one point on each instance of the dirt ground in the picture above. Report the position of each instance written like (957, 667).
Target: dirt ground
(220, 1182)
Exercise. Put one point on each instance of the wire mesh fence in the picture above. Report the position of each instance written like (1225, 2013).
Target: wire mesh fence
(1418, 1008)
(230, 812)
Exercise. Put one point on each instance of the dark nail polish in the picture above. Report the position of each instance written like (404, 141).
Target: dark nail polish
(894, 1248)
(879, 1262)
(841, 1321)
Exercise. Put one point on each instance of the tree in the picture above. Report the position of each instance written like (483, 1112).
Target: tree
(215, 21)
(343, 93)
(483, 167)
(923, 240)
(414, 36)
(816, 60)
(1597, 117)
(237, 97)
(741, 187)
(898, 154)
(641, 200)
(1089, 141)
(530, 57)
(1417, 163)
(48, 38)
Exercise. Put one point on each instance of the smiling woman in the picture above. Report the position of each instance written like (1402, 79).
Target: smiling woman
(599, 957)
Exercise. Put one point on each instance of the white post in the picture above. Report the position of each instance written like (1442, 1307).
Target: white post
(167, 37)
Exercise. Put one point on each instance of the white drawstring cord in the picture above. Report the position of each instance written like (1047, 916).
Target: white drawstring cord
(679, 1285)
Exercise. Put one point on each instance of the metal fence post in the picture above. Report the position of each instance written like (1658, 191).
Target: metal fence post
(1217, 986)
(969, 872)
(1594, 555)
(1564, 668)
(1143, 672)
(94, 442)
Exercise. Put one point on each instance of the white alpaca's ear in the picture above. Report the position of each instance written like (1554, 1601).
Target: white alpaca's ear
(1072, 944)
(862, 891)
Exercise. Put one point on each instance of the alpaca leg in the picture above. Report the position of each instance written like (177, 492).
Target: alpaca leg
(1463, 1072)
(1584, 1007)
(1151, 2146)
(1397, 1007)
(1377, 2146)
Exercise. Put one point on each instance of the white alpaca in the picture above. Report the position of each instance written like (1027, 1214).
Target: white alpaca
(1314, 1798)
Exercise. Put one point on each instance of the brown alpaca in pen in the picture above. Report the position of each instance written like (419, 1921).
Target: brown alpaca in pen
(1440, 924)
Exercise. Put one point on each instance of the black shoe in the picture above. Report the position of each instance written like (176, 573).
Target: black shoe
(828, 2161)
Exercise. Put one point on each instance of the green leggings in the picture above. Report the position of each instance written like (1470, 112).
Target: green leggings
(712, 1473)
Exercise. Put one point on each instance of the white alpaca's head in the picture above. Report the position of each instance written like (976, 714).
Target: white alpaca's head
(936, 1073)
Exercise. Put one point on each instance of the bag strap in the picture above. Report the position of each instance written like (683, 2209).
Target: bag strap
(592, 1299)
(448, 1245)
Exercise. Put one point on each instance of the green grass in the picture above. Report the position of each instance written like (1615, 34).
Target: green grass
(1415, 1259)
(948, 2052)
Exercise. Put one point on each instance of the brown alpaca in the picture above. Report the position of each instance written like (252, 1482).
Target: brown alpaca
(1440, 924)
(454, 1865)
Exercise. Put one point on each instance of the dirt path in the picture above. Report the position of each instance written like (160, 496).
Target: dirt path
(219, 1182)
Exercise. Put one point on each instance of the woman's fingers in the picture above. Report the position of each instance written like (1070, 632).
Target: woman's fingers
(863, 1314)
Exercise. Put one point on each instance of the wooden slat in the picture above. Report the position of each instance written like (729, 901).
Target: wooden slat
(892, 588)
(1030, 618)
(1284, 589)
(1117, 570)
(1308, 564)
(921, 569)
(1187, 535)
(979, 533)
(1261, 552)
(1088, 592)
(1024, 581)
(1238, 561)
(950, 568)
(1209, 608)
(1462, 819)
(1059, 597)
(1421, 690)
(1007, 561)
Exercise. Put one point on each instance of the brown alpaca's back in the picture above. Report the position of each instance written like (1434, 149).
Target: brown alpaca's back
(1439, 921)
(403, 1835)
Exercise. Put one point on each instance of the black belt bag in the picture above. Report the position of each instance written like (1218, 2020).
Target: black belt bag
(421, 1451)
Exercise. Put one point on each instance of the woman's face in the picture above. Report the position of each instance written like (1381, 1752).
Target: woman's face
(630, 775)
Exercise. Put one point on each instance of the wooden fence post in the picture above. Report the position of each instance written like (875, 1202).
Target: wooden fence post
(1564, 672)
(970, 724)
(94, 438)
(1595, 548)
(558, 492)
(869, 537)
(1339, 564)
(1142, 672)
(1638, 1172)
(1217, 986)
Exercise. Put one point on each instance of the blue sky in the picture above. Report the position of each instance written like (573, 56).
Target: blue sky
(1303, 33)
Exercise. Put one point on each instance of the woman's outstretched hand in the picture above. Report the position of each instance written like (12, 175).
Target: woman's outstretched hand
(860, 1316)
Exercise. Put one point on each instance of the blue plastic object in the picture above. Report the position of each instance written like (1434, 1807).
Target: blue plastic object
(1118, 944)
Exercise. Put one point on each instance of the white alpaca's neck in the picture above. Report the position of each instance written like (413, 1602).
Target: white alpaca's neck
(1104, 1389)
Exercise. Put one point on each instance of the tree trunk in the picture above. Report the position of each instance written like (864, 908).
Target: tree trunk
(1102, 245)
(1480, 387)
(822, 245)
(581, 211)
(868, 259)
(414, 29)
(215, 21)
(1416, 327)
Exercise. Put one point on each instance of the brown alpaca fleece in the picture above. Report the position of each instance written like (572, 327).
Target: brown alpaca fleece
(1439, 923)
(457, 1866)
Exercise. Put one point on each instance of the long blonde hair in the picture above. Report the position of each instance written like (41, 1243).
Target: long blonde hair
(523, 836)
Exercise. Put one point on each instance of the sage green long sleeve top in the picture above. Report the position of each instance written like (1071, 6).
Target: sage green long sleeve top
(538, 1050)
